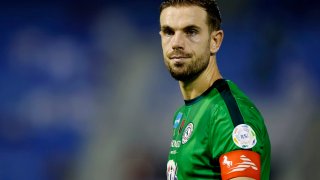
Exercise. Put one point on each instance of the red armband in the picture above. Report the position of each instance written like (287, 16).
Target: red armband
(240, 163)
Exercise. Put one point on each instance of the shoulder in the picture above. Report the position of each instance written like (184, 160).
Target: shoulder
(236, 109)
(247, 109)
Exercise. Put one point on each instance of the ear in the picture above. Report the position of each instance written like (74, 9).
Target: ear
(216, 41)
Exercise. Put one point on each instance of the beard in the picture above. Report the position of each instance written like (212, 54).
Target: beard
(188, 69)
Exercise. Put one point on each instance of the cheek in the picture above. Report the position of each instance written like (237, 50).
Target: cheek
(195, 39)
(201, 49)
(198, 44)
(165, 42)
(165, 46)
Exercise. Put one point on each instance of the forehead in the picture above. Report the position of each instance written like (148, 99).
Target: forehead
(182, 16)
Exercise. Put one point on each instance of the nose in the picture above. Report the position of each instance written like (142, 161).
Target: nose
(178, 41)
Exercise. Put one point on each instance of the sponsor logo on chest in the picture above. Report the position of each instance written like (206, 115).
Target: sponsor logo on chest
(175, 144)
(172, 169)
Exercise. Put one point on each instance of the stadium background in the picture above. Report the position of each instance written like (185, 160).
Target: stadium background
(85, 94)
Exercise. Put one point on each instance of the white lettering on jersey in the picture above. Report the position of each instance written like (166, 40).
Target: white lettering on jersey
(175, 144)
(172, 170)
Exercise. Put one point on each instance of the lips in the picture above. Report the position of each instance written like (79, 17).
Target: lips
(179, 57)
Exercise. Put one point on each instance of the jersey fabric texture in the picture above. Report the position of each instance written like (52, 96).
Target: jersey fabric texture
(203, 128)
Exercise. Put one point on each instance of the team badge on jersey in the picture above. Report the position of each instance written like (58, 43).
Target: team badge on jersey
(244, 136)
(187, 133)
(177, 120)
(172, 170)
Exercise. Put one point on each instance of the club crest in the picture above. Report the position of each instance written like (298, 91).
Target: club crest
(187, 133)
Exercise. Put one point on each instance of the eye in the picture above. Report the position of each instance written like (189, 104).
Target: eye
(191, 32)
(168, 32)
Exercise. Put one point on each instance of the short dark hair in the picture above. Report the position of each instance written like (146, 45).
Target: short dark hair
(210, 6)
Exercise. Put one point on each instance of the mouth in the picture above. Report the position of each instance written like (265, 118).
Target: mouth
(179, 58)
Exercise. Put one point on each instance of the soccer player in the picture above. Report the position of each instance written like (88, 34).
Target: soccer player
(218, 133)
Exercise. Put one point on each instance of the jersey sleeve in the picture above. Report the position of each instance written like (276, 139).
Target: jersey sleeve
(238, 147)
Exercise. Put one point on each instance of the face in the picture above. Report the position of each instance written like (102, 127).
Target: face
(185, 41)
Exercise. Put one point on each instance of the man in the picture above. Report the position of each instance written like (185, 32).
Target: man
(218, 133)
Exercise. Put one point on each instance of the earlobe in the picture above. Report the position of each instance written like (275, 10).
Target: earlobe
(214, 44)
(212, 48)
(216, 40)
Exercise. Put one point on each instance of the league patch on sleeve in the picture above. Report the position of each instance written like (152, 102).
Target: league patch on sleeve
(244, 136)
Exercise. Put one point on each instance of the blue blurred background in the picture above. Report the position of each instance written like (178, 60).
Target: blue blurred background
(85, 93)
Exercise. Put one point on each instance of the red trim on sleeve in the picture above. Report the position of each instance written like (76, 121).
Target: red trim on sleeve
(240, 163)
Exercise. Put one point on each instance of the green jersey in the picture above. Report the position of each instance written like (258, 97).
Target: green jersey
(221, 120)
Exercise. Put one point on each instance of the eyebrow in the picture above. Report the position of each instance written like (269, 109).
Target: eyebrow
(166, 27)
(192, 27)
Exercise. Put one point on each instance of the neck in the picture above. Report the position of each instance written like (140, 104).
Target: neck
(196, 87)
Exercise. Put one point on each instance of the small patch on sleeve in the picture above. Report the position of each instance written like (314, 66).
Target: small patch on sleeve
(244, 136)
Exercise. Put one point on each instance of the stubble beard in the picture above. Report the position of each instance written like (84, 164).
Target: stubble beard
(190, 69)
